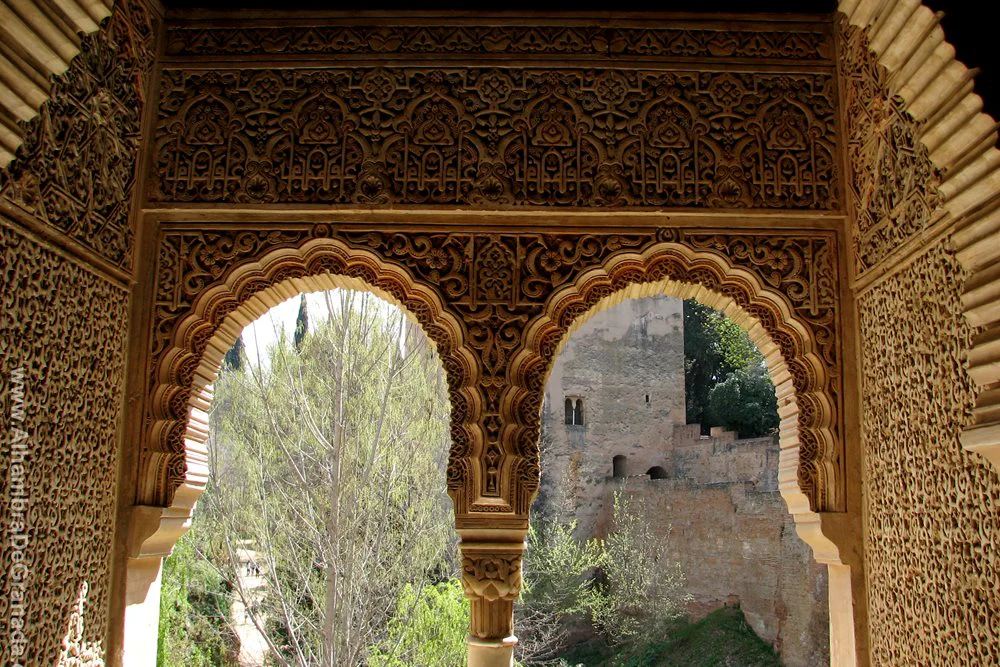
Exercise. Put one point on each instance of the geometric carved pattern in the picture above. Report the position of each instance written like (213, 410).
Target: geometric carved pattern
(66, 327)
(759, 42)
(933, 509)
(497, 138)
(497, 305)
(76, 169)
(892, 183)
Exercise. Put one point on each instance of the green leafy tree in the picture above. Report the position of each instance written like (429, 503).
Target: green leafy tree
(194, 628)
(234, 357)
(557, 588)
(329, 460)
(428, 628)
(745, 402)
(301, 323)
(714, 348)
(640, 591)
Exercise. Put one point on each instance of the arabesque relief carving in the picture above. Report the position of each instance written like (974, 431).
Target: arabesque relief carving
(497, 138)
(76, 169)
(63, 326)
(933, 508)
(758, 42)
(496, 305)
(893, 183)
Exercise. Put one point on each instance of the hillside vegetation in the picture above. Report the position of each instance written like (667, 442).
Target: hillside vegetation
(722, 638)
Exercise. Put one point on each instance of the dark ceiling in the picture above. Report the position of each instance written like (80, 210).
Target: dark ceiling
(965, 24)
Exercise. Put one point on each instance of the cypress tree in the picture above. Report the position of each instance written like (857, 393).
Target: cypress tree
(301, 323)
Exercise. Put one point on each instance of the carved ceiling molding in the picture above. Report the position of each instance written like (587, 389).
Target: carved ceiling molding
(496, 306)
(936, 91)
(75, 173)
(41, 38)
(572, 38)
(496, 138)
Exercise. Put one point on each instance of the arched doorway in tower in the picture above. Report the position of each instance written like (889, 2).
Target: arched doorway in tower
(325, 527)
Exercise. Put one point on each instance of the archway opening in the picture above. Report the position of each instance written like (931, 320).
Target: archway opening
(628, 348)
(325, 524)
(619, 466)
(657, 472)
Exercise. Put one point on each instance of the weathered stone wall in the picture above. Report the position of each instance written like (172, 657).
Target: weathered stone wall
(732, 531)
(67, 244)
(613, 362)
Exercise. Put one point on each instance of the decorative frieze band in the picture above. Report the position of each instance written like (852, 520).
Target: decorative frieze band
(497, 138)
(759, 41)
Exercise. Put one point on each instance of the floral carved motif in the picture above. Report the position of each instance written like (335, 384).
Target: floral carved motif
(487, 300)
(497, 138)
(893, 183)
(76, 170)
(536, 41)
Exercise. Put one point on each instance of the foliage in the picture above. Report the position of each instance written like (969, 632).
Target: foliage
(557, 588)
(640, 591)
(194, 610)
(328, 461)
(721, 638)
(428, 629)
(301, 323)
(714, 347)
(234, 357)
(745, 402)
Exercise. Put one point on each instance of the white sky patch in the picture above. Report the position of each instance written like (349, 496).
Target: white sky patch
(263, 332)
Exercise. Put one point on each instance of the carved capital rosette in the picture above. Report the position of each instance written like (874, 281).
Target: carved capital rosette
(491, 576)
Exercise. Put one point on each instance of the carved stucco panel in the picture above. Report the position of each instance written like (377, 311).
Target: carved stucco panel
(892, 185)
(66, 328)
(933, 508)
(494, 286)
(76, 170)
(497, 138)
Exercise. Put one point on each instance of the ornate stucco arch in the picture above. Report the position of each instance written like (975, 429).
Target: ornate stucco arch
(931, 130)
(811, 467)
(254, 277)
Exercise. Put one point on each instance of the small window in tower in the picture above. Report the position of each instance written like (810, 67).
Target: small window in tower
(569, 411)
(578, 413)
(647, 400)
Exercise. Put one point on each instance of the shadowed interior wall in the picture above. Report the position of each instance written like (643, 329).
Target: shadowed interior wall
(932, 519)
(67, 242)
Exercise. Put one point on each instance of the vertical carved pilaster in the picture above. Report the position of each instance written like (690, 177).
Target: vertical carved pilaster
(491, 576)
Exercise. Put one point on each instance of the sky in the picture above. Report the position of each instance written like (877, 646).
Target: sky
(262, 333)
